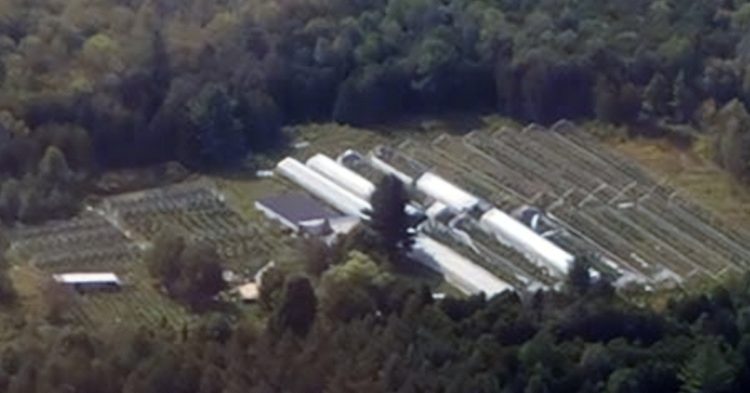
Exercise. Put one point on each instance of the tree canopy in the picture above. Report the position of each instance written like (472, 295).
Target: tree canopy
(389, 219)
(128, 83)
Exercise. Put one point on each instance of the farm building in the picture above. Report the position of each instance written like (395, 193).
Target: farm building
(296, 211)
(323, 188)
(378, 158)
(445, 192)
(342, 176)
(514, 234)
(249, 292)
(457, 270)
(89, 282)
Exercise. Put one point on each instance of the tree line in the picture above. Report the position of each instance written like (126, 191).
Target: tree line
(358, 327)
(122, 83)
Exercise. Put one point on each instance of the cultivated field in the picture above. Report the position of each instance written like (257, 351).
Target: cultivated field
(602, 198)
(114, 235)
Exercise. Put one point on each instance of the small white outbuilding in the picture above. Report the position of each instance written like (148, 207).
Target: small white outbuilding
(87, 282)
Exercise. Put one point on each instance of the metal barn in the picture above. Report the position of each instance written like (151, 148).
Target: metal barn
(458, 271)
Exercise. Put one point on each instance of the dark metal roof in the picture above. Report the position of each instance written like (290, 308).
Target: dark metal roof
(297, 208)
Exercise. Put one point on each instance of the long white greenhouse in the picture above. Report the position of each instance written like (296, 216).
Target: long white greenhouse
(514, 234)
(342, 176)
(323, 188)
(445, 192)
(457, 270)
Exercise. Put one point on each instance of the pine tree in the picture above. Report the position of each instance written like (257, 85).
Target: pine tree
(200, 277)
(709, 370)
(389, 218)
(53, 168)
(217, 139)
(163, 259)
(606, 101)
(298, 307)
(8, 293)
(657, 96)
(579, 275)
(684, 101)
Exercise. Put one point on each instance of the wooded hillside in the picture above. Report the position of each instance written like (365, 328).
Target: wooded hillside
(115, 83)
(360, 329)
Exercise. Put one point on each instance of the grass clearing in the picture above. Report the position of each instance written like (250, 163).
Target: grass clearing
(699, 179)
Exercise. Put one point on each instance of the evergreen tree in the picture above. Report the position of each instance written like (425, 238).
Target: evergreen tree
(606, 101)
(260, 120)
(8, 292)
(684, 100)
(317, 256)
(389, 218)
(579, 275)
(657, 96)
(201, 275)
(538, 382)
(163, 259)
(271, 288)
(53, 168)
(298, 307)
(216, 138)
(710, 370)
(623, 380)
(161, 73)
(10, 200)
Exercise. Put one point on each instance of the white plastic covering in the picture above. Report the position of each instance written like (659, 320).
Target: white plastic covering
(457, 270)
(445, 192)
(514, 234)
(341, 175)
(387, 168)
(87, 278)
(323, 188)
(435, 210)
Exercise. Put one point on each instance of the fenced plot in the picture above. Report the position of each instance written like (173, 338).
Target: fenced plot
(115, 234)
(197, 211)
(600, 196)
(87, 243)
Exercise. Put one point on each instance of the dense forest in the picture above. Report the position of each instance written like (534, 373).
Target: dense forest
(121, 83)
(359, 328)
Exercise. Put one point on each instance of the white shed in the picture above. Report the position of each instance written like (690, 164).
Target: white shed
(82, 282)
(513, 233)
(342, 176)
(445, 192)
(323, 188)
